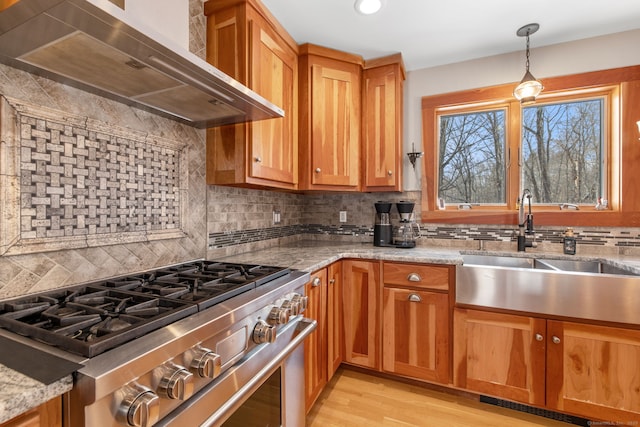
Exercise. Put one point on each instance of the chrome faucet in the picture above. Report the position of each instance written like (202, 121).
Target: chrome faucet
(525, 223)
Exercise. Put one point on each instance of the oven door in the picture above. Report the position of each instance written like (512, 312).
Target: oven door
(264, 389)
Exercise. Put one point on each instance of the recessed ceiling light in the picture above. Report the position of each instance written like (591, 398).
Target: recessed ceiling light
(368, 7)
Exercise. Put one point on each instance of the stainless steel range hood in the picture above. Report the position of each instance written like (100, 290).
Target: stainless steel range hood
(78, 43)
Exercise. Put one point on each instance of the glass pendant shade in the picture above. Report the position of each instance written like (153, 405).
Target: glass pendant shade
(528, 89)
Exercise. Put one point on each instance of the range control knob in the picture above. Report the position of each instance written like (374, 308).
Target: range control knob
(293, 307)
(264, 333)
(278, 316)
(140, 407)
(176, 382)
(205, 363)
(302, 301)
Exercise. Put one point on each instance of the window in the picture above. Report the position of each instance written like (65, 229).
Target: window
(562, 152)
(576, 144)
(561, 149)
(472, 157)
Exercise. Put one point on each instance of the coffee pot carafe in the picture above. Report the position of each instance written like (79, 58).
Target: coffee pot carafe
(408, 231)
(382, 228)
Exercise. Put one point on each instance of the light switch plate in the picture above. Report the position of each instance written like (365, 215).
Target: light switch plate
(343, 216)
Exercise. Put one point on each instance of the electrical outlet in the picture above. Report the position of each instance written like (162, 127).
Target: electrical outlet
(276, 217)
(343, 216)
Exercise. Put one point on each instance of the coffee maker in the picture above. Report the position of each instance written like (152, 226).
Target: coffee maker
(382, 229)
(408, 231)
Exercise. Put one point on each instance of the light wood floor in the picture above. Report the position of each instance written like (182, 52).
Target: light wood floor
(355, 399)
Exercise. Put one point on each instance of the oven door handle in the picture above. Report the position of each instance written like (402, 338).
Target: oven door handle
(304, 327)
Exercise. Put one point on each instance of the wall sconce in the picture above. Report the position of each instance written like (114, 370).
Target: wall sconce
(529, 87)
(415, 155)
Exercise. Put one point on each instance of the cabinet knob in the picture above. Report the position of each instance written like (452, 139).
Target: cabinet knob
(414, 298)
(318, 170)
(258, 159)
(389, 172)
(332, 281)
(315, 282)
(414, 277)
(555, 340)
(539, 337)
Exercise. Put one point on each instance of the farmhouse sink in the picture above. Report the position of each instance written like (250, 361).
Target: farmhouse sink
(568, 265)
(572, 288)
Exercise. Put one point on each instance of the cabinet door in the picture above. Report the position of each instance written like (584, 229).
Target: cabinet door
(500, 355)
(593, 371)
(335, 346)
(361, 289)
(49, 414)
(382, 128)
(415, 334)
(315, 346)
(274, 153)
(335, 127)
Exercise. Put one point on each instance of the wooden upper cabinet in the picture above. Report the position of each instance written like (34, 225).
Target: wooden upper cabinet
(382, 107)
(330, 85)
(246, 42)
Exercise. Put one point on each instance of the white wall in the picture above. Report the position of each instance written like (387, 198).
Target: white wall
(598, 53)
(167, 18)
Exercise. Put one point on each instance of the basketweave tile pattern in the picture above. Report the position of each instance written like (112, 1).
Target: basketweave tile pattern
(76, 181)
(81, 179)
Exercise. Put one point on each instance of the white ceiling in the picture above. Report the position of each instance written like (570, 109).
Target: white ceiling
(430, 33)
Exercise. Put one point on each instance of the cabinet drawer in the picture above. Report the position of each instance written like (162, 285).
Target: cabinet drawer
(417, 275)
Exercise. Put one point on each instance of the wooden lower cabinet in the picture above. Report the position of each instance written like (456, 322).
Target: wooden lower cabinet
(577, 368)
(323, 348)
(49, 414)
(361, 309)
(499, 355)
(594, 371)
(415, 328)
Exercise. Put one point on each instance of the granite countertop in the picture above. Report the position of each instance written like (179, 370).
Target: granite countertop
(19, 393)
(311, 255)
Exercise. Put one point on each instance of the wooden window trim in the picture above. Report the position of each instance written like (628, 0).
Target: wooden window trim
(623, 182)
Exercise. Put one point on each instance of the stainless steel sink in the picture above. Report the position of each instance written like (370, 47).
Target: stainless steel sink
(573, 288)
(568, 265)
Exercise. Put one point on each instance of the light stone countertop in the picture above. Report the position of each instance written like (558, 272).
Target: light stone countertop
(312, 255)
(19, 393)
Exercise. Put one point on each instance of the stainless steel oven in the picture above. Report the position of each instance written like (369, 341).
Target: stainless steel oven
(198, 343)
(264, 389)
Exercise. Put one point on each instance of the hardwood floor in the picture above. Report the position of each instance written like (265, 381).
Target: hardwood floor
(356, 399)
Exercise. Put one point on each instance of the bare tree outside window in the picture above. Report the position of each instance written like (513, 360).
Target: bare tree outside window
(562, 148)
(472, 158)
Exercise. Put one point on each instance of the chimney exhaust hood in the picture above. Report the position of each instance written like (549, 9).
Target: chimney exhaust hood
(79, 43)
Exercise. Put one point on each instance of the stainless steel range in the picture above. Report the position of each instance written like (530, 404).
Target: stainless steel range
(184, 345)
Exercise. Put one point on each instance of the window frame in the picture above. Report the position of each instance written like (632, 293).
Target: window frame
(621, 89)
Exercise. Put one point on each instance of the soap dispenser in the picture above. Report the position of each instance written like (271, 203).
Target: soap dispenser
(569, 242)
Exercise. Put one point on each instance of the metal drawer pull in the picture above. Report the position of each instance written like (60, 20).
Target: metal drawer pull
(414, 277)
(555, 340)
(315, 282)
(539, 337)
(415, 298)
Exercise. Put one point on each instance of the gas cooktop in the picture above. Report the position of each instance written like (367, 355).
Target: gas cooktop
(91, 319)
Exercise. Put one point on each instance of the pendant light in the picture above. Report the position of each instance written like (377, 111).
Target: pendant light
(529, 87)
